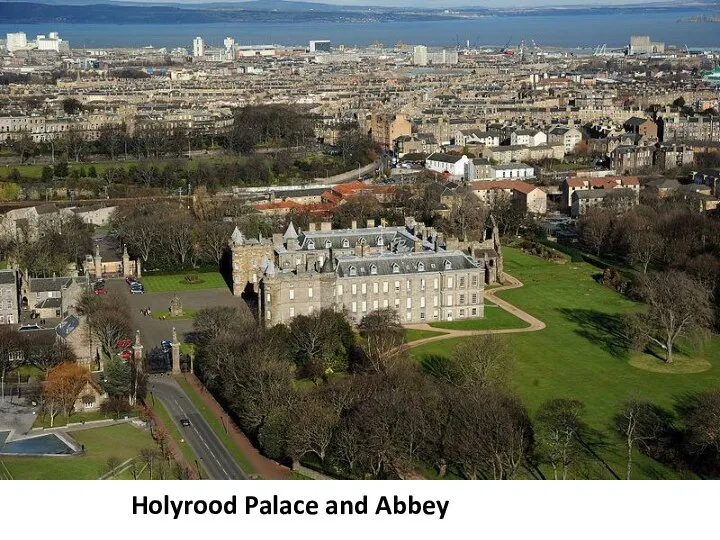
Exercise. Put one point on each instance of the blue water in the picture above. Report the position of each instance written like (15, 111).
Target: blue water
(43, 444)
(556, 30)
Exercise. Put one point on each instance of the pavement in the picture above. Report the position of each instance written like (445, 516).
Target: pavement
(209, 450)
(153, 331)
(510, 283)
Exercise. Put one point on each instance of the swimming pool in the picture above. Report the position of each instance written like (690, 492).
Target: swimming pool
(42, 444)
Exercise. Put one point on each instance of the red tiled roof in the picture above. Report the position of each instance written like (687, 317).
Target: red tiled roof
(279, 205)
(489, 185)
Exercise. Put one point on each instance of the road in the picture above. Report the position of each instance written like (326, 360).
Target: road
(210, 451)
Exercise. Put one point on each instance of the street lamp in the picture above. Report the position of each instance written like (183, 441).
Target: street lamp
(358, 169)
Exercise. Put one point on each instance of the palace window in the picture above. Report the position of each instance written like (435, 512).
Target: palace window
(311, 245)
(345, 243)
(421, 267)
(352, 271)
(448, 265)
(396, 268)
(373, 270)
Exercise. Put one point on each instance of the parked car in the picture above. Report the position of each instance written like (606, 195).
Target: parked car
(130, 280)
(166, 345)
(99, 291)
(137, 290)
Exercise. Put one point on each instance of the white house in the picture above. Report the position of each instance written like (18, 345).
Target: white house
(509, 171)
(447, 163)
(528, 137)
(464, 137)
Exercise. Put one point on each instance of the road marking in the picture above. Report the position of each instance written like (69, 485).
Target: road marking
(227, 475)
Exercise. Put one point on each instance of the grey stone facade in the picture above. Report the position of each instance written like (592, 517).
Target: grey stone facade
(410, 269)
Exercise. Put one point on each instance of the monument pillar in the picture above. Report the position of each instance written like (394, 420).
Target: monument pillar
(138, 349)
(175, 353)
(98, 262)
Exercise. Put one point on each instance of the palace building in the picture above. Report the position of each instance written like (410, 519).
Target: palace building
(410, 268)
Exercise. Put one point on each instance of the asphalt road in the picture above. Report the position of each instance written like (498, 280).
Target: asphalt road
(212, 455)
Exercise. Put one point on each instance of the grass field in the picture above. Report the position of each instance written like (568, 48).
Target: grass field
(176, 282)
(582, 355)
(123, 442)
(187, 314)
(217, 427)
(413, 334)
(495, 318)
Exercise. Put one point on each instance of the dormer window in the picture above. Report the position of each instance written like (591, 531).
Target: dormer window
(345, 243)
(328, 244)
(373, 270)
(396, 268)
(448, 265)
(311, 244)
(352, 271)
(379, 240)
(421, 267)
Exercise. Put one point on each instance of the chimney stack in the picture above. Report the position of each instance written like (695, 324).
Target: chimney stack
(326, 226)
(311, 226)
(370, 223)
(353, 224)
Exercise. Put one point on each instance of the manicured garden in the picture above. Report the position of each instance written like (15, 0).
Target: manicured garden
(413, 334)
(495, 318)
(123, 442)
(582, 354)
(179, 282)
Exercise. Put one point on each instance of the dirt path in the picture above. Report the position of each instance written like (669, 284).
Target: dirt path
(511, 283)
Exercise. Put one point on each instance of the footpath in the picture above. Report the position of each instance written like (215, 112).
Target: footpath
(511, 283)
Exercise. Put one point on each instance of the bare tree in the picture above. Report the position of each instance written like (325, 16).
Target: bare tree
(179, 231)
(384, 337)
(310, 429)
(595, 226)
(214, 236)
(643, 246)
(678, 306)
(639, 423)
(479, 361)
(12, 347)
(559, 424)
(702, 422)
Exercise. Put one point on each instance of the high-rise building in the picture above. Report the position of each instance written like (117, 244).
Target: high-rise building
(229, 43)
(51, 42)
(198, 47)
(16, 41)
(643, 45)
(420, 57)
(320, 45)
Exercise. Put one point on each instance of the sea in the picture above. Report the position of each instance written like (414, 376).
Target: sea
(561, 31)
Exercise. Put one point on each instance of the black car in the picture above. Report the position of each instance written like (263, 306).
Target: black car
(184, 422)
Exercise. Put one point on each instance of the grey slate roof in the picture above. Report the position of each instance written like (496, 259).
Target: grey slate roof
(49, 284)
(7, 277)
(407, 263)
(400, 235)
(444, 158)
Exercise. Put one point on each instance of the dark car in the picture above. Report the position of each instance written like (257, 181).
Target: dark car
(130, 279)
(166, 345)
(184, 422)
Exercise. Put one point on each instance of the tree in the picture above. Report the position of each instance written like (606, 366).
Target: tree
(12, 346)
(45, 355)
(179, 230)
(74, 144)
(643, 246)
(111, 140)
(210, 323)
(702, 422)
(477, 361)
(61, 389)
(595, 226)
(384, 337)
(639, 423)
(310, 429)
(467, 214)
(321, 341)
(117, 378)
(109, 321)
(71, 106)
(214, 236)
(678, 306)
(558, 428)
(24, 147)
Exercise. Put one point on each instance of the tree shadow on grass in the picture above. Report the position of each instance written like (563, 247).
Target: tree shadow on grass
(604, 329)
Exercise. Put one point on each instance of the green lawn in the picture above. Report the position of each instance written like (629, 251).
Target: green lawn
(495, 318)
(581, 355)
(413, 334)
(217, 427)
(187, 314)
(176, 282)
(123, 442)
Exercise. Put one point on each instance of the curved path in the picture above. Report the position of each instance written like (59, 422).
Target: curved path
(511, 283)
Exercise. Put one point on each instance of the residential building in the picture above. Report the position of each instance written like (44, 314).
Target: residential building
(633, 158)
(583, 199)
(9, 308)
(577, 183)
(386, 128)
(641, 126)
(672, 156)
(16, 41)
(417, 143)
(568, 137)
(465, 137)
(509, 171)
(319, 45)
(528, 137)
(529, 198)
(420, 55)
(452, 164)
